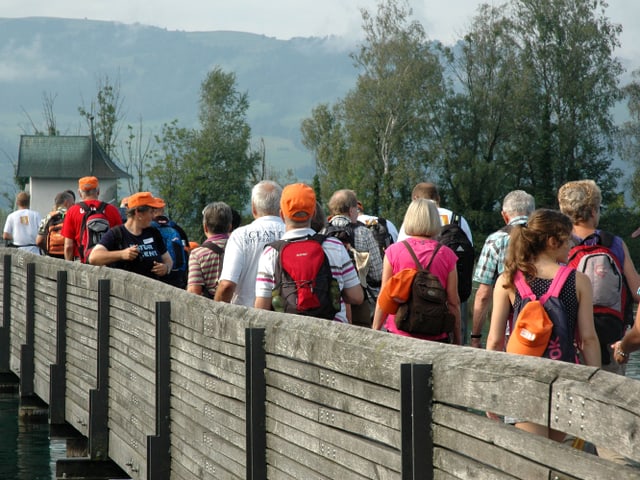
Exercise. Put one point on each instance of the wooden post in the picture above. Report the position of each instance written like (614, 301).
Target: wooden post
(159, 445)
(5, 329)
(256, 393)
(27, 363)
(99, 397)
(416, 397)
(57, 371)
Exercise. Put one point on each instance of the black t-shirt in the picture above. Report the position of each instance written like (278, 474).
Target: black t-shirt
(151, 247)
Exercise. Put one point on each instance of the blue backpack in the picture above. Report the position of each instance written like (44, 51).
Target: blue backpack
(174, 243)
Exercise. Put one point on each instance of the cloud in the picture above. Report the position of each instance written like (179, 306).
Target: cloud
(25, 62)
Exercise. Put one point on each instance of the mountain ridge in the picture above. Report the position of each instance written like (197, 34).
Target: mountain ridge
(160, 72)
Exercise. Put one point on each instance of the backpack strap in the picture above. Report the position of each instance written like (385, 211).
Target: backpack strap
(415, 258)
(554, 290)
(557, 284)
(213, 247)
(522, 286)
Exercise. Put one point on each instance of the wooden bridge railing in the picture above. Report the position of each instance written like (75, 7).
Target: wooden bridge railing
(170, 385)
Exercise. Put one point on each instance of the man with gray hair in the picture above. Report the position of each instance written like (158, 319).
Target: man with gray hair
(205, 262)
(516, 208)
(245, 245)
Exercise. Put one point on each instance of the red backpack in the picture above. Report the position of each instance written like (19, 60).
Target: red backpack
(304, 283)
(94, 224)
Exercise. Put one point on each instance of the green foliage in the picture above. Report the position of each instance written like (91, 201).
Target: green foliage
(377, 140)
(104, 113)
(523, 102)
(213, 163)
(629, 138)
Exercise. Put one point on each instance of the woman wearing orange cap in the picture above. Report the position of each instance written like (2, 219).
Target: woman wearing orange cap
(135, 246)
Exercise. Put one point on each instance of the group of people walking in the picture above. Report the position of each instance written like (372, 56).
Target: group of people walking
(355, 268)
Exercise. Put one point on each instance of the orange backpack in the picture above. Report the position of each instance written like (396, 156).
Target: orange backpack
(54, 243)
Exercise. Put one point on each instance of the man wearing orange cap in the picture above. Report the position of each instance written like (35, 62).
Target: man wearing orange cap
(89, 190)
(136, 246)
(297, 206)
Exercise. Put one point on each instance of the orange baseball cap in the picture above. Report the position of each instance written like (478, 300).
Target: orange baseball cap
(397, 290)
(86, 184)
(144, 199)
(298, 202)
(530, 335)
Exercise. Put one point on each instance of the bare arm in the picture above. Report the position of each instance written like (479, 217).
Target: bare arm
(502, 299)
(353, 295)
(197, 289)
(630, 274)
(630, 342)
(481, 305)
(379, 317)
(590, 344)
(101, 256)
(40, 242)
(225, 291)
(69, 245)
(453, 301)
(263, 302)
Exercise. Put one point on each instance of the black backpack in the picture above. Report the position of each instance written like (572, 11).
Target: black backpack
(427, 311)
(454, 237)
(303, 280)
(380, 232)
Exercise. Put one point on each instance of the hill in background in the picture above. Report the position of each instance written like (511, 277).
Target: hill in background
(160, 73)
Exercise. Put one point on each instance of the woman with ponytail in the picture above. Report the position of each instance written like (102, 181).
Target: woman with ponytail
(536, 251)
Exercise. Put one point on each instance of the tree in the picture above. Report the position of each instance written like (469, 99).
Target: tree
(629, 139)
(104, 113)
(136, 154)
(478, 119)
(378, 140)
(213, 163)
(565, 122)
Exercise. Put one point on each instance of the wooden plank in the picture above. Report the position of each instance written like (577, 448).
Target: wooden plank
(215, 417)
(346, 449)
(448, 461)
(583, 408)
(319, 465)
(129, 454)
(556, 456)
(280, 463)
(337, 380)
(335, 409)
(186, 451)
(132, 359)
(204, 385)
(201, 358)
(133, 400)
(218, 344)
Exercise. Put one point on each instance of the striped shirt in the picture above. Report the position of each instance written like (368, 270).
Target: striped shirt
(342, 267)
(205, 265)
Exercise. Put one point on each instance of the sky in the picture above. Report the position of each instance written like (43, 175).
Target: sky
(444, 20)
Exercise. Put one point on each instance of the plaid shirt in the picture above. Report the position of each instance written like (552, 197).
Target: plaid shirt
(364, 242)
(491, 260)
